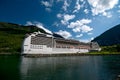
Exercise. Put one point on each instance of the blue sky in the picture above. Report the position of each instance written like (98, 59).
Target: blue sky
(77, 19)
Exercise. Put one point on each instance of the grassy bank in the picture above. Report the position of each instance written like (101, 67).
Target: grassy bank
(114, 49)
(103, 53)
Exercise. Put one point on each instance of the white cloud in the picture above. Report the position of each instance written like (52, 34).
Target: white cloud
(64, 22)
(59, 15)
(86, 28)
(90, 33)
(84, 40)
(81, 0)
(67, 18)
(86, 11)
(80, 25)
(75, 24)
(63, 33)
(77, 29)
(85, 21)
(83, 5)
(78, 36)
(48, 9)
(29, 23)
(65, 5)
(55, 24)
(46, 3)
(39, 25)
(92, 38)
(101, 6)
(77, 6)
(107, 14)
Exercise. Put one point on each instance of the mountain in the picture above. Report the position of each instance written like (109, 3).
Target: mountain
(109, 37)
(18, 29)
(12, 36)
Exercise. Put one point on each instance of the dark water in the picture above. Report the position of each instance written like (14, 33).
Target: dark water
(60, 68)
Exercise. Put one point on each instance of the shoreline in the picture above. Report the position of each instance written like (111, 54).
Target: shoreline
(10, 54)
(63, 55)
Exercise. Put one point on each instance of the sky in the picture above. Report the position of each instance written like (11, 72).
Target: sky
(82, 20)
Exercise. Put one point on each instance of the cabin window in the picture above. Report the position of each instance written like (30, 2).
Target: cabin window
(25, 45)
(58, 46)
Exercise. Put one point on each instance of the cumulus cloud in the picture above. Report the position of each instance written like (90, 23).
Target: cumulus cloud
(48, 9)
(92, 38)
(29, 23)
(39, 25)
(101, 6)
(46, 3)
(85, 21)
(107, 14)
(90, 33)
(67, 18)
(86, 11)
(77, 6)
(65, 5)
(80, 35)
(86, 28)
(80, 26)
(59, 15)
(84, 40)
(55, 24)
(64, 33)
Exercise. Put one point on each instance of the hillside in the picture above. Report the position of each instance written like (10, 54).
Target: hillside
(109, 37)
(12, 35)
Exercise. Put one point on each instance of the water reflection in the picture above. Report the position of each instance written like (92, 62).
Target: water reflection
(69, 68)
(60, 68)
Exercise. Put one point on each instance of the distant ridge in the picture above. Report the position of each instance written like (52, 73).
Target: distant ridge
(109, 37)
(13, 28)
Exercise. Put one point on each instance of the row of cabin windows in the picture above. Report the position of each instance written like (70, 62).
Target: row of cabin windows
(36, 46)
(71, 47)
(59, 46)
(62, 47)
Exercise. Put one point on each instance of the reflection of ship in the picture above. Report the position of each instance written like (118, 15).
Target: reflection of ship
(40, 43)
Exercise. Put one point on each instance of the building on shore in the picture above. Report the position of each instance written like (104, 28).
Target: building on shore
(40, 43)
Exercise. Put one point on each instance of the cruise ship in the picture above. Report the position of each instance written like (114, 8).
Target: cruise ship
(41, 43)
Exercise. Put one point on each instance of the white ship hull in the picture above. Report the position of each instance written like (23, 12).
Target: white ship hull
(55, 51)
(50, 45)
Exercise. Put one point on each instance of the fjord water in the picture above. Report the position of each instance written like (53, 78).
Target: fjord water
(60, 68)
